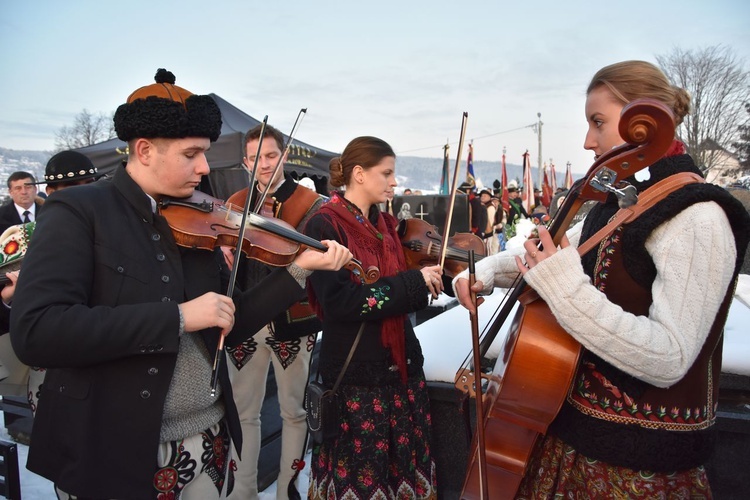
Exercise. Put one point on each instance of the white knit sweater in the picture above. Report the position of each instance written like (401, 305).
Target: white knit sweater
(694, 254)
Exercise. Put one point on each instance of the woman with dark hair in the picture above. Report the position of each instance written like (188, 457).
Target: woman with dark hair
(648, 304)
(382, 449)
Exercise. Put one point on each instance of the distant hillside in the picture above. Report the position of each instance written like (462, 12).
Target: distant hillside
(412, 171)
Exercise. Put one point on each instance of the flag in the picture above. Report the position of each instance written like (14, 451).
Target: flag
(568, 177)
(470, 166)
(527, 195)
(504, 186)
(546, 190)
(552, 177)
(445, 177)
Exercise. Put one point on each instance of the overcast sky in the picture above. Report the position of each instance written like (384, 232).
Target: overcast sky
(404, 71)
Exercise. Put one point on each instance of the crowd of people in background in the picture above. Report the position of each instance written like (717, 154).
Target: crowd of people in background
(489, 219)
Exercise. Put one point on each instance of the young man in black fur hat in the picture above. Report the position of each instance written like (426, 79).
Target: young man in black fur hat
(127, 322)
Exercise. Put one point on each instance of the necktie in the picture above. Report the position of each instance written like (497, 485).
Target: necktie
(26, 216)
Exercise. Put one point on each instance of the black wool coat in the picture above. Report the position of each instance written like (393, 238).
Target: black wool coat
(97, 304)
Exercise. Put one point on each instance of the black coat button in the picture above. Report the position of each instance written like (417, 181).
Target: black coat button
(155, 237)
(160, 257)
(153, 371)
(145, 394)
(165, 278)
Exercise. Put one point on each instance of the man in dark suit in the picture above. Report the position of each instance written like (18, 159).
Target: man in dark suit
(127, 321)
(24, 205)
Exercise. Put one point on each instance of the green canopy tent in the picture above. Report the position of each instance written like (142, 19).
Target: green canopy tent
(225, 156)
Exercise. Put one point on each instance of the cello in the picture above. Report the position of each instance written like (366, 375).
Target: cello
(522, 400)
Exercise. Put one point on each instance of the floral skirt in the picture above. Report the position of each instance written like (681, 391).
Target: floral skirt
(556, 470)
(383, 447)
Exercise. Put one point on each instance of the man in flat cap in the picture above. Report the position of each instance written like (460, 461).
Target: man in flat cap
(127, 322)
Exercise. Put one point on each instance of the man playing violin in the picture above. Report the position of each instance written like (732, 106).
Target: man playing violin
(286, 342)
(127, 322)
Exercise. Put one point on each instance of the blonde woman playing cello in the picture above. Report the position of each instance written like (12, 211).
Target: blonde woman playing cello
(646, 304)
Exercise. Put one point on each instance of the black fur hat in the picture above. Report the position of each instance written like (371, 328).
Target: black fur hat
(165, 110)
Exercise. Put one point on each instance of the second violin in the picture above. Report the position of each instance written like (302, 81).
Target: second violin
(422, 241)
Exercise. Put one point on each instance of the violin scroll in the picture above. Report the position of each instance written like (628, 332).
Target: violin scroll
(371, 275)
(645, 121)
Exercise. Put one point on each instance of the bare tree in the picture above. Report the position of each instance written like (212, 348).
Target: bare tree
(742, 146)
(87, 129)
(719, 86)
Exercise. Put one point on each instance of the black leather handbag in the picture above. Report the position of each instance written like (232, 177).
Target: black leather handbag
(322, 404)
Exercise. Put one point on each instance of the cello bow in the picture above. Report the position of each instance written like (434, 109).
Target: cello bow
(479, 400)
(480, 455)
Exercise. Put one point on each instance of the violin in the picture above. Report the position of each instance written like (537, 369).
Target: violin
(202, 221)
(421, 242)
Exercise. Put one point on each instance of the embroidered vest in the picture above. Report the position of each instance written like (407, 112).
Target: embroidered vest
(293, 204)
(611, 416)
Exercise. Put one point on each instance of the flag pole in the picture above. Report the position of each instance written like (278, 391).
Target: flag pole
(539, 134)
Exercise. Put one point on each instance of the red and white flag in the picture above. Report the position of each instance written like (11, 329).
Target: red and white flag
(546, 190)
(568, 177)
(552, 176)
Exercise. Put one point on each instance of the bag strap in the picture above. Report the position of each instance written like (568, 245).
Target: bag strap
(349, 357)
(648, 199)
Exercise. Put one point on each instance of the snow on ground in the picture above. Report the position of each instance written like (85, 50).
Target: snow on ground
(33, 487)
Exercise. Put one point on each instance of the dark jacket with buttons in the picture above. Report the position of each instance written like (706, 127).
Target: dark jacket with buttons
(97, 306)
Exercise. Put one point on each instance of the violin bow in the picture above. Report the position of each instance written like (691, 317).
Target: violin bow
(479, 400)
(236, 263)
(481, 449)
(302, 113)
(454, 188)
